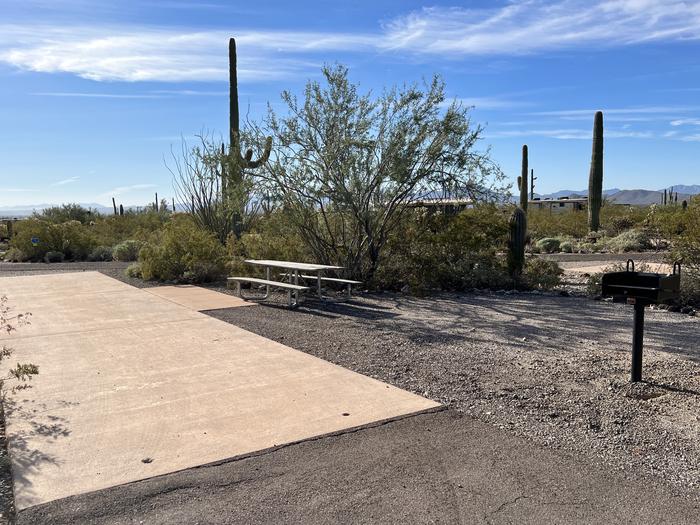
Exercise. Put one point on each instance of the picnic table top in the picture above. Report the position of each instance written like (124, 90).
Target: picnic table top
(291, 265)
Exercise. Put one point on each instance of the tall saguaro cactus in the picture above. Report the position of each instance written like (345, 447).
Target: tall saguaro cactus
(532, 184)
(516, 243)
(238, 162)
(523, 180)
(595, 178)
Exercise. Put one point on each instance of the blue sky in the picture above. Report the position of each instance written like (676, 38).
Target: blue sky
(94, 93)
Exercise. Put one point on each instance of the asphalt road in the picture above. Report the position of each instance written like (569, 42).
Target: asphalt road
(439, 467)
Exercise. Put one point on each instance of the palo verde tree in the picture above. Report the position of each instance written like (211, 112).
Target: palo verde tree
(347, 166)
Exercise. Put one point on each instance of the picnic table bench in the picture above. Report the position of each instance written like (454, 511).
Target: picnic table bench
(292, 274)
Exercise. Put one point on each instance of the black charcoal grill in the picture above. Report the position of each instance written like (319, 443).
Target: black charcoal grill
(641, 289)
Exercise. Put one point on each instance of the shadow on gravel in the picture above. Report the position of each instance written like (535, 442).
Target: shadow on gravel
(545, 321)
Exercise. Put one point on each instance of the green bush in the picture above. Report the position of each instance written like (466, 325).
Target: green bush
(133, 270)
(690, 288)
(100, 254)
(113, 229)
(71, 238)
(54, 257)
(183, 252)
(128, 250)
(566, 247)
(636, 240)
(67, 212)
(540, 274)
(548, 245)
(273, 237)
(15, 255)
(446, 252)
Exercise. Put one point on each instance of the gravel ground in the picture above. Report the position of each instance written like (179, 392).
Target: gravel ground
(549, 368)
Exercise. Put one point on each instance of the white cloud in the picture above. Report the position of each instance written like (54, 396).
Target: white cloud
(121, 190)
(691, 138)
(63, 182)
(568, 134)
(644, 110)
(535, 26)
(686, 122)
(490, 102)
(134, 54)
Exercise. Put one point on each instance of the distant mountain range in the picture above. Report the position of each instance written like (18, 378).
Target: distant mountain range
(632, 197)
(27, 209)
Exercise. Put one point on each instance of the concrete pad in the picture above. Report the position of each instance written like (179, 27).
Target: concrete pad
(198, 298)
(132, 386)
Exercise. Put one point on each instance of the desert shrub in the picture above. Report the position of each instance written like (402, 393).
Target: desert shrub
(617, 225)
(686, 246)
(446, 252)
(183, 252)
(15, 255)
(54, 257)
(133, 270)
(548, 245)
(567, 247)
(540, 274)
(628, 241)
(690, 288)
(114, 229)
(100, 254)
(71, 238)
(128, 250)
(542, 224)
(67, 212)
(273, 237)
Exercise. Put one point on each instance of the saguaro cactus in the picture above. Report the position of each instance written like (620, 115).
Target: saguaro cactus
(237, 162)
(532, 184)
(523, 180)
(516, 243)
(665, 197)
(595, 177)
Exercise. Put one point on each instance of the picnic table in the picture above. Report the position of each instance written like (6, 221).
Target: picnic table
(292, 273)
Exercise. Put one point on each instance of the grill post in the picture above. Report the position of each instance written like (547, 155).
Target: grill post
(638, 342)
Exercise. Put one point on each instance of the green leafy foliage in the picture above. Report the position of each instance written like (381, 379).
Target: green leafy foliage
(128, 250)
(71, 238)
(540, 274)
(54, 257)
(134, 271)
(548, 245)
(347, 165)
(446, 252)
(273, 237)
(67, 212)
(183, 252)
(101, 254)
